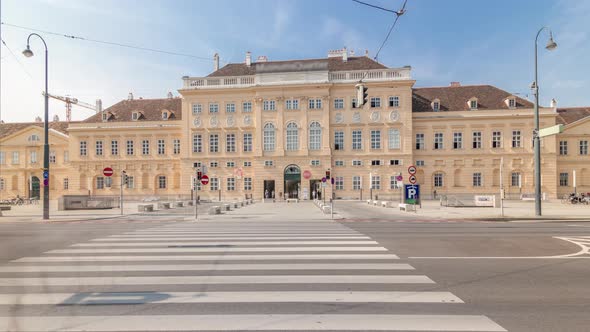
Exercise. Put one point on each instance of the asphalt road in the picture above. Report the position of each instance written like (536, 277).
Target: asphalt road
(285, 267)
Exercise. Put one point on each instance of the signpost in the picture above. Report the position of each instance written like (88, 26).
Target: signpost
(123, 175)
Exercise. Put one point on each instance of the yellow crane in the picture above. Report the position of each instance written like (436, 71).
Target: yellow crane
(74, 101)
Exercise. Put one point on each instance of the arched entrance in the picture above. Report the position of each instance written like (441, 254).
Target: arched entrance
(35, 188)
(292, 181)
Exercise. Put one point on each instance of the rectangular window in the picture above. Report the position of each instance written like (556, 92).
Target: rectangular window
(197, 143)
(376, 182)
(230, 143)
(563, 148)
(438, 180)
(394, 101)
(114, 147)
(130, 148)
(339, 183)
(213, 164)
(98, 146)
(196, 184)
(476, 140)
(99, 182)
(315, 162)
(357, 162)
(231, 184)
(15, 158)
(247, 142)
(563, 179)
(247, 164)
(497, 139)
(269, 105)
(516, 138)
(457, 140)
(214, 184)
(2, 184)
(356, 183)
(515, 179)
(268, 163)
(473, 104)
(477, 179)
(247, 107)
(339, 163)
(230, 164)
(353, 103)
(420, 163)
(436, 106)
(52, 158)
(66, 156)
(161, 147)
(375, 139)
(375, 162)
(230, 108)
(176, 146)
(2, 158)
(108, 182)
(66, 183)
(83, 148)
(339, 103)
(197, 109)
(214, 143)
(338, 140)
(512, 103)
(357, 140)
(315, 104)
(583, 148)
(247, 184)
(214, 108)
(292, 104)
(33, 157)
(394, 140)
(130, 182)
(145, 147)
(393, 182)
(162, 182)
(420, 142)
(375, 102)
(395, 162)
(438, 141)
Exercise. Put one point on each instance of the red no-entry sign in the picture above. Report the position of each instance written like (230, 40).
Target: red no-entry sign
(204, 179)
(107, 171)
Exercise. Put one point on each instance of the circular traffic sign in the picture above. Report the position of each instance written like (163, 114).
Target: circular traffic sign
(412, 170)
(412, 179)
(399, 178)
(107, 171)
(306, 175)
(324, 179)
(204, 179)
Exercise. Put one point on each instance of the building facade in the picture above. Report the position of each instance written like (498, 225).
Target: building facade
(275, 128)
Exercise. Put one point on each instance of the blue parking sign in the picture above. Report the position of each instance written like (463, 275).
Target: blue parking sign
(46, 174)
(412, 193)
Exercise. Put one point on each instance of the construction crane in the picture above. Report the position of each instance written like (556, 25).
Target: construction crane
(70, 100)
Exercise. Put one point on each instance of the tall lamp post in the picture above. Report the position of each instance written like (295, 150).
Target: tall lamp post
(28, 53)
(551, 45)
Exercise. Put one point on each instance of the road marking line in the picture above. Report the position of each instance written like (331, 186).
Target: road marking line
(220, 257)
(186, 238)
(222, 249)
(206, 280)
(204, 267)
(220, 243)
(86, 298)
(267, 322)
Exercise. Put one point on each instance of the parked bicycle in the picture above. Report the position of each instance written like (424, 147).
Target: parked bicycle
(583, 198)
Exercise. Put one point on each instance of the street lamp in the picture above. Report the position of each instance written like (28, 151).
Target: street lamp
(28, 53)
(551, 45)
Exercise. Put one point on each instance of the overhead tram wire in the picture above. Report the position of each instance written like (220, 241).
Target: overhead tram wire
(17, 60)
(108, 42)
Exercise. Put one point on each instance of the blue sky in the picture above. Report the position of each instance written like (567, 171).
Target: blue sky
(474, 42)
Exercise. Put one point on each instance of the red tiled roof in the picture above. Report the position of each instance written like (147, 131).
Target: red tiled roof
(7, 129)
(151, 109)
(572, 114)
(333, 64)
(455, 98)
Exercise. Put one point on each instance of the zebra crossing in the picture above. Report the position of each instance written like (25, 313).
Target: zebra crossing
(228, 276)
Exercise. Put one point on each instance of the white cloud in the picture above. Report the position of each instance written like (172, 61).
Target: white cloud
(339, 33)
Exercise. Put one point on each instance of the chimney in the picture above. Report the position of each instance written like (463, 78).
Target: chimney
(455, 84)
(553, 103)
(262, 58)
(351, 52)
(248, 59)
(38, 119)
(216, 62)
(169, 95)
(344, 54)
(98, 106)
(56, 118)
(130, 96)
(367, 53)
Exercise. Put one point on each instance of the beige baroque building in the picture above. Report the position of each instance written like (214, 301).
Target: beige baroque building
(265, 128)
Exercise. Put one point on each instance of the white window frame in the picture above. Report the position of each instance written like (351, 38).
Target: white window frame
(457, 140)
(476, 139)
(394, 101)
(214, 184)
(420, 141)
(315, 136)
(376, 182)
(563, 148)
(338, 163)
(357, 139)
(247, 107)
(213, 108)
(339, 140)
(114, 147)
(197, 143)
(176, 146)
(230, 184)
(247, 184)
(339, 103)
(33, 157)
(161, 147)
(375, 139)
(516, 139)
(375, 102)
(496, 140)
(583, 147)
(98, 146)
(66, 183)
(130, 148)
(269, 137)
(230, 108)
(230, 142)
(269, 105)
(439, 141)
(145, 147)
(247, 142)
(162, 182)
(292, 137)
(213, 143)
(100, 183)
(197, 109)
(339, 183)
(438, 180)
(52, 157)
(83, 148)
(393, 138)
(477, 179)
(356, 182)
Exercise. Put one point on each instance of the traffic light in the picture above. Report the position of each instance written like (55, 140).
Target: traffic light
(362, 95)
(199, 175)
(126, 179)
(327, 175)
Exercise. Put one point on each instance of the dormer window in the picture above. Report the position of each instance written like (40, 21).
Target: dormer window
(436, 105)
(511, 102)
(134, 116)
(472, 103)
(105, 116)
(165, 115)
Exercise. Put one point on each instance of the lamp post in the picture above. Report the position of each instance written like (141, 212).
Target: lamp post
(551, 45)
(28, 53)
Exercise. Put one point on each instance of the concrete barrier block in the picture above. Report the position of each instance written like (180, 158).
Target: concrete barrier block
(163, 205)
(178, 204)
(226, 207)
(215, 210)
(145, 208)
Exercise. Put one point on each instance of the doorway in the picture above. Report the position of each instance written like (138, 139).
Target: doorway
(292, 181)
(315, 186)
(269, 188)
(35, 188)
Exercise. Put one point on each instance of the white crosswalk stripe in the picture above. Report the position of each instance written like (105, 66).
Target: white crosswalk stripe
(273, 264)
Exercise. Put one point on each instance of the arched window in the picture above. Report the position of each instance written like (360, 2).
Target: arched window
(292, 136)
(315, 136)
(268, 137)
(34, 138)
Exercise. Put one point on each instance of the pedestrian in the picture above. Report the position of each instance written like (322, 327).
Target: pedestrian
(315, 194)
(266, 193)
